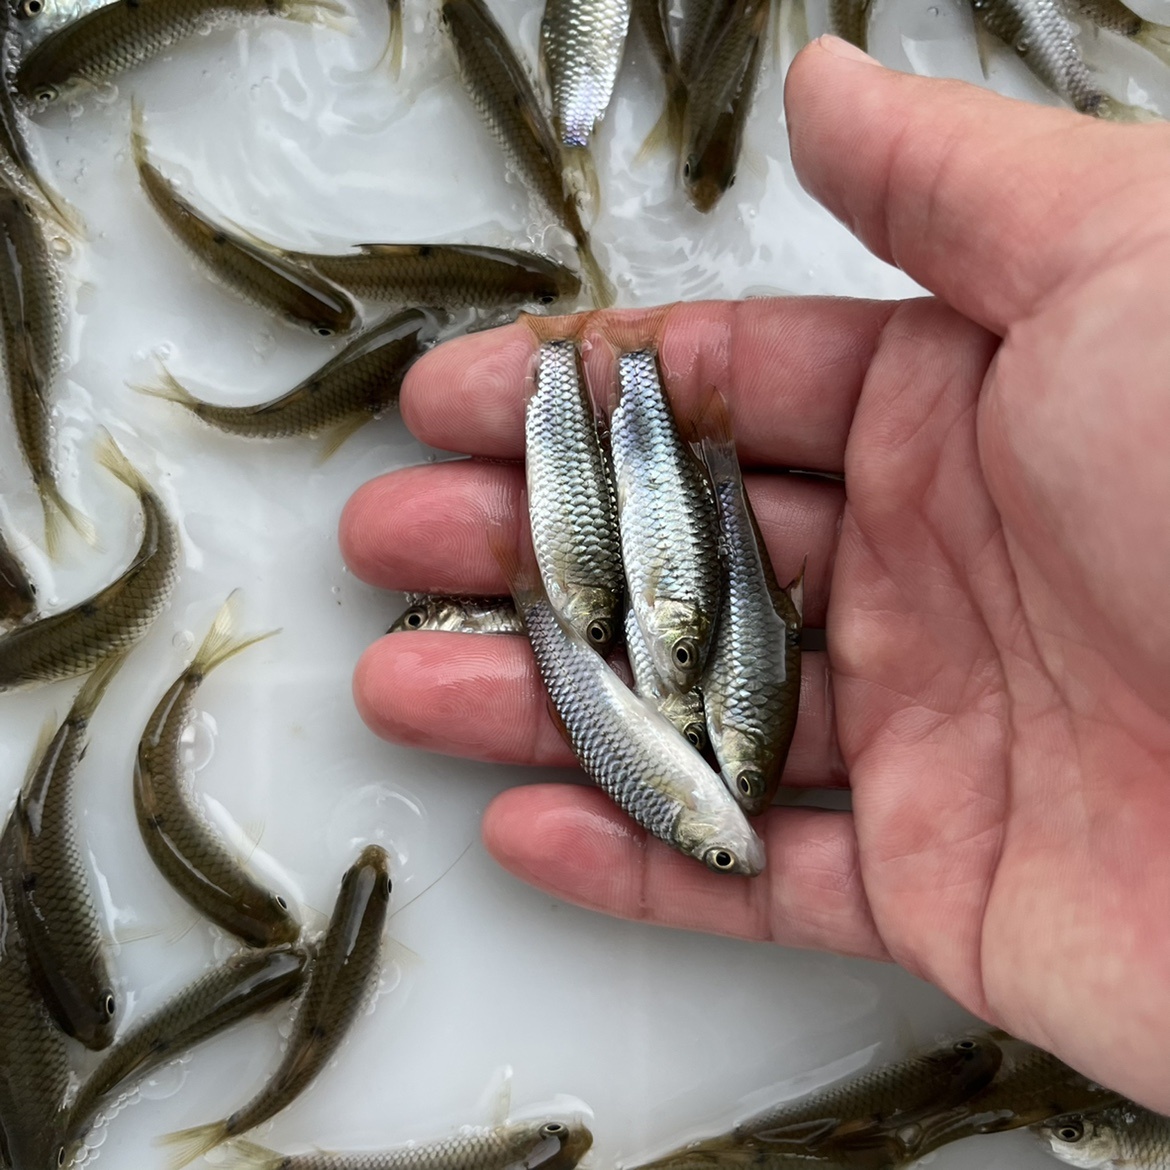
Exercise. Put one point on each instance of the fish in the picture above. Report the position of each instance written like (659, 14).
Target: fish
(571, 499)
(339, 981)
(669, 529)
(581, 46)
(18, 594)
(880, 1100)
(751, 685)
(181, 842)
(647, 15)
(356, 385)
(459, 615)
(505, 99)
(684, 710)
(702, 21)
(32, 312)
(248, 982)
(75, 640)
(1127, 1137)
(1115, 16)
(1042, 36)
(718, 101)
(719, 1155)
(1032, 1086)
(534, 1145)
(624, 745)
(445, 276)
(54, 906)
(34, 1062)
(106, 41)
(849, 19)
(255, 271)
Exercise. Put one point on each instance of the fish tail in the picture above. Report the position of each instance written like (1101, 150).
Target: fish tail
(169, 389)
(578, 161)
(138, 144)
(795, 589)
(667, 133)
(567, 328)
(61, 211)
(604, 294)
(110, 456)
(1155, 39)
(221, 642)
(392, 53)
(1113, 110)
(245, 1155)
(328, 13)
(641, 329)
(95, 686)
(708, 427)
(512, 549)
(57, 509)
(188, 1144)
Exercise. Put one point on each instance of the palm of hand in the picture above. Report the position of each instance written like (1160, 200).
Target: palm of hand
(998, 696)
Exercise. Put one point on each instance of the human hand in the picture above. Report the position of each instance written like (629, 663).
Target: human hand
(992, 577)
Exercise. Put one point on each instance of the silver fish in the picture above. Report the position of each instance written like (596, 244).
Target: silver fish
(571, 500)
(1125, 1138)
(684, 710)
(627, 748)
(534, 1145)
(458, 615)
(751, 687)
(669, 532)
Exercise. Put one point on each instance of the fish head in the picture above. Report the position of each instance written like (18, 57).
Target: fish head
(422, 613)
(1081, 1140)
(968, 1064)
(749, 768)
(595, 613)
(560, 1145)
(678, 642)
(546, 282)
(721, 838)
(708, 169)
(97, 1030)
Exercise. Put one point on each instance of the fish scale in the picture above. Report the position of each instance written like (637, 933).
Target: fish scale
(570, 499)
(75, 640)
(581, 43)
(632, 753)
(1127, 1137)
(669, 533)
(534, 1145)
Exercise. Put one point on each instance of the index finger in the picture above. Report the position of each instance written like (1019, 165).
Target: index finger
(791, 369)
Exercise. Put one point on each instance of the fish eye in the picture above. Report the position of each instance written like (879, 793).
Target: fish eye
(720, 859)
(108, 1005)
(684, 653)
(696, 736)
(414, 619)
(384, 884)
(598, 632)
(967, 1045)
(689, 167)
(60, 1155)
(1071, 1131)
(32, 7)
(45, 93)
(553, 1129)
(324, 330)
(281, 903)
(547, 299)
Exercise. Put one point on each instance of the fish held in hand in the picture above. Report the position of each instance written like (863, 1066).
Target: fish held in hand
(570, 499)
(684, 710)
(625, 746)
(54, 905)
(751, 686)
(1127, 1137)
(339, 982)
(361, 382)
(534, 1145)
(445, 276)
(181, 842)
(75, 640)
(458, 615)
(245, 984)
(259, 273)
(669, 530)
(106, 41)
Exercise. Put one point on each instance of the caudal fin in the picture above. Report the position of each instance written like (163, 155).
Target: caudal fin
(581, 172)
(221, 642)
(511, 545)
(95, 686)
(667, 132)
(245, 1155)
(169, 389)
(326, 13)
(604, 293)
(188, 1144)
(1116, 111)
(59, 510)
(110, 456)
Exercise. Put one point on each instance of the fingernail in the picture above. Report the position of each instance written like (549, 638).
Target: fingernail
(844, 49)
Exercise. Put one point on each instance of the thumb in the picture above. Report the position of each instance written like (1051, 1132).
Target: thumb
(990, 203)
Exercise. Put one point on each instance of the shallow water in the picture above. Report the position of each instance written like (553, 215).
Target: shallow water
(285, 130)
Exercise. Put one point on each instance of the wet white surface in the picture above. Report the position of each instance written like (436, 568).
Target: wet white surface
(284, 129)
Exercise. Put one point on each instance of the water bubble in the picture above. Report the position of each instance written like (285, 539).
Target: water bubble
(183, 640)
(197, 743)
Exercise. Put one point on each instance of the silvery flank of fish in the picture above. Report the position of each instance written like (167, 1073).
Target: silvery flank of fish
(626, 747)
(669, 531)
(1127, 1137)
(533, 1145)
(581, 44)
(103, 41)
(349, 390)
(570, 499)
(458, 615)
(54, 905)
(182, 843)
(246, 983)
(75, 640)
(684, 710)
(751, 686)
(342, 975)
